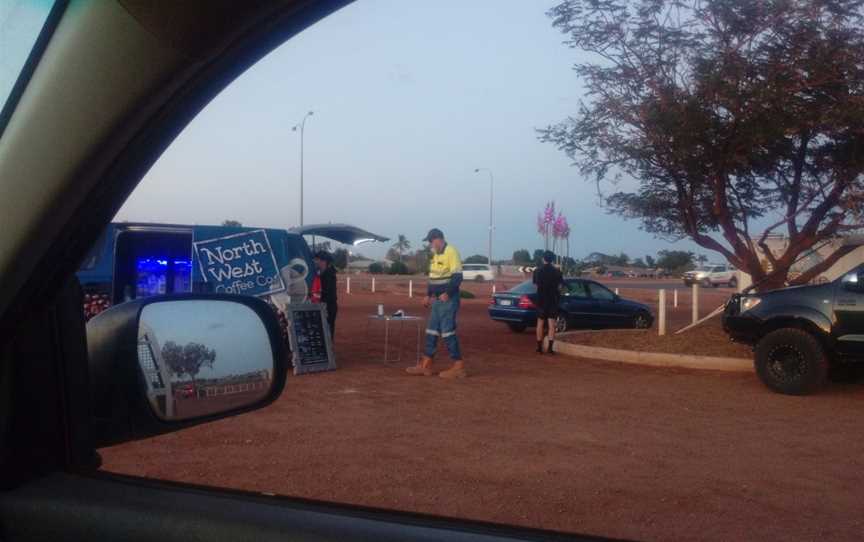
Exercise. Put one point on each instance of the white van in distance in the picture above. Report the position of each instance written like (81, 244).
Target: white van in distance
(478, 272)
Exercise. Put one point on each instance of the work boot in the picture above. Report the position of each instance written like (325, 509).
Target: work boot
(423, 368)
(456, 371)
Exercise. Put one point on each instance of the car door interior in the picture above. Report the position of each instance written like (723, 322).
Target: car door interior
(125, 78)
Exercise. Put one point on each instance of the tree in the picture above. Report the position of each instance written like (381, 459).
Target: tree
(393, 255)
(607, 259)
(638, 262)
(476, 258)
(187, 360)
(521, 256)
(398, 268)
(422, 257)
(231, 223)
(730, 115)
(340, 258)
(321, 245)
(401, 245)
(650, 262)
(538, 257)
(675, 261)
(377, 268)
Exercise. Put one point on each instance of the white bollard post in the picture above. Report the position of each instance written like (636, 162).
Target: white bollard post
(675, 298)
(410, 288)
(347, 285)
(695, 300)
(373, 285)
(493, 289)
(661, 314)
(616, 291)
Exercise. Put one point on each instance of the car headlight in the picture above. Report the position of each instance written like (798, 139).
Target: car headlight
(748, 303)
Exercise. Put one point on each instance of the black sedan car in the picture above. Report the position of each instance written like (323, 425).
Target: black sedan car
(584, 304)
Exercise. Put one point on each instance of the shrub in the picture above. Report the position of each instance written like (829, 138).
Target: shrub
(398, 268)
(376, 268)
(465, 294)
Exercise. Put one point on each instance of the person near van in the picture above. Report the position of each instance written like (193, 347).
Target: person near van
(549, 281)
(442, 299)
(327, 276)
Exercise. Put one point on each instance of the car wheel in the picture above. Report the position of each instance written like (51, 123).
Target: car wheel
(479, 278)
(641, 321)
(517, 328)
(733, 282)
(706, 283)
(560, 324)
(791, 361)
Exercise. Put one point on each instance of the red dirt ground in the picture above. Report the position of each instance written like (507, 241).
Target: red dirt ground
(544, 441)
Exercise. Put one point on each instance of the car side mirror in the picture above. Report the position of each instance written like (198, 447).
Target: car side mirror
(165, 363)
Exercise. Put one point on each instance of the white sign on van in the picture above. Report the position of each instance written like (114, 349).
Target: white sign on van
(242, 264)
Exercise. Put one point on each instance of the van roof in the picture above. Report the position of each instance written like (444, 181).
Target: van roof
(161, 225)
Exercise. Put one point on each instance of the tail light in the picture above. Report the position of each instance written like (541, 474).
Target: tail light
(526, 303)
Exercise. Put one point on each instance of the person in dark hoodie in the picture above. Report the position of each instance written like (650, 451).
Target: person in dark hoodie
(549, 281)
(327, 274)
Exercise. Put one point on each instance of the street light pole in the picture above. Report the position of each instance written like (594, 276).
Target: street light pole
(491, 194)
(302, 126)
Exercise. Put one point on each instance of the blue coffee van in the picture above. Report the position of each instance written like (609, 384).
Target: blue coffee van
(134, 260)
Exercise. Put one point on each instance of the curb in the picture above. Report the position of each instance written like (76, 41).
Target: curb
(656, 359)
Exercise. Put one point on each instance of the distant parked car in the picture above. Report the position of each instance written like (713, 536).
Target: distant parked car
(712, 276)
(584, 304)
(478, 272)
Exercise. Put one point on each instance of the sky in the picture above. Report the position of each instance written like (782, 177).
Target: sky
(409, 98)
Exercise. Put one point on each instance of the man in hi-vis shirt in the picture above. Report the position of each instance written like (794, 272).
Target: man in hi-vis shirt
(442, 298)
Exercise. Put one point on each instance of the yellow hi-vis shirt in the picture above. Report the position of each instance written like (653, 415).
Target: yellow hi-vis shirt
(445, 271)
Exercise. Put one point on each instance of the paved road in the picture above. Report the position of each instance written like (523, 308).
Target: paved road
(648, 284)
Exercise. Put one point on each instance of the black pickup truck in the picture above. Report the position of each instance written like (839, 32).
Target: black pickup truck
(798, 333)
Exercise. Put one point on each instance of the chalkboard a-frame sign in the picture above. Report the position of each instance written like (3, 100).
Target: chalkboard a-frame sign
(309, 334)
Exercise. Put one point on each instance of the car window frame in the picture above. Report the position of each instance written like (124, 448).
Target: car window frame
(584, 285)
(33, 58)
(591, 285)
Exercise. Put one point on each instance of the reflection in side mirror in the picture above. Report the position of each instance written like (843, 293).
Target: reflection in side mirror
(853, 281)
(201, 357)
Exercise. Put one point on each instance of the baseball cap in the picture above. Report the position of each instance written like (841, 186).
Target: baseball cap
(434, 233)
(549, 256)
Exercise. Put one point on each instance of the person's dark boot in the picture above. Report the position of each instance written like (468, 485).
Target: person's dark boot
(539, 347)
(551, 351)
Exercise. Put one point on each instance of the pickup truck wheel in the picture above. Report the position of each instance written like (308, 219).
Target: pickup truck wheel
(706, 283)
(733, 282)
(517, 328)
(479, 278)
(791, 361)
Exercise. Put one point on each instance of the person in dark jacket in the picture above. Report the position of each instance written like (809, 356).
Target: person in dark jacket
(327, 274)
(549, 280)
